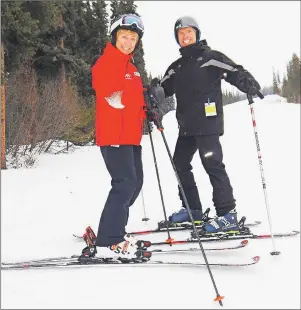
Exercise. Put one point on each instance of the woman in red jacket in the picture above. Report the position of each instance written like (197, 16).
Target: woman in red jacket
(119, 126)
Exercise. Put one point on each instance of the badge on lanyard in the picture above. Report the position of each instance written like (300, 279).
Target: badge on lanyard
(210, 108)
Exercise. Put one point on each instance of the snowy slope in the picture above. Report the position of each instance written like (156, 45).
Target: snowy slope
(42, 207)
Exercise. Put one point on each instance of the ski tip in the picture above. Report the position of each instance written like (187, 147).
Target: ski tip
(257, 222)
(296, 232)
(256, 259)
(244, 242)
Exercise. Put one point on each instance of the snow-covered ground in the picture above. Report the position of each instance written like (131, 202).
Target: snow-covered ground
(42, 207)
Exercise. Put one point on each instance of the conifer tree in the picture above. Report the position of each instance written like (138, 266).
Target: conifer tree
(114, 9)
(291, 82)
(18, 32)
(276, 88)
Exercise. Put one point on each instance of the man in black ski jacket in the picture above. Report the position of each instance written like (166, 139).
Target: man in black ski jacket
(195, 79)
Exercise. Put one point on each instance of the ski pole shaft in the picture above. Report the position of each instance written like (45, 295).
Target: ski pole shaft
(250, 99)
(152, 101)
(145, 218)
(159, 183)
(218, 297)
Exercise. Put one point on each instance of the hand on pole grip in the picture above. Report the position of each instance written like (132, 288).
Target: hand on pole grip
(156, 92)
(154, 113)
(250, 98)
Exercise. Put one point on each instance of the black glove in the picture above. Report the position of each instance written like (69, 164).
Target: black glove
(155, 115)
(154, 82)
(157, 95)
(247, 84)
(153, 97)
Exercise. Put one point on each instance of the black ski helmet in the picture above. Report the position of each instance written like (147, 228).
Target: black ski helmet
(128, 22)
(187, 21)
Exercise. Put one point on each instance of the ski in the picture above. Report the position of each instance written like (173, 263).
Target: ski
(104, 262)
(242, 244)
(41, 260)
(226, 237)
(176, 227)
(181, 227)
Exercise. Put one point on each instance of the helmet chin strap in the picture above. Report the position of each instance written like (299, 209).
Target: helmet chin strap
(113, 39)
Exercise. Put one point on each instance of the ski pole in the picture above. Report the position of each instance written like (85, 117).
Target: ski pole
(145, 219)
(169, 240)
(250, 99)
(218, 297)
(153, 102)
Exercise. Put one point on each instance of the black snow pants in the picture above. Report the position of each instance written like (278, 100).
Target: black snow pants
(124, 163)
(211, 154)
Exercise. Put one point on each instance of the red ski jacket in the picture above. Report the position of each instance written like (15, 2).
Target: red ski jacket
(119, 99)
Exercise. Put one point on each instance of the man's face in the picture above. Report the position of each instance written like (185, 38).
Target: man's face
(186, 36)
(126, 41)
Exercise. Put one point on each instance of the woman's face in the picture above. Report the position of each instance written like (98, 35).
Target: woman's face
(126, 41)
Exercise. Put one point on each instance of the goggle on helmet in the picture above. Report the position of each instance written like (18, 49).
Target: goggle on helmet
(129, 22)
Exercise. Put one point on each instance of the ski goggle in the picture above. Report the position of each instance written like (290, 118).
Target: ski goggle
(128, 21)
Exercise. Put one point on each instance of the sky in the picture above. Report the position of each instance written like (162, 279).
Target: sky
(260, 35)
(62, 194)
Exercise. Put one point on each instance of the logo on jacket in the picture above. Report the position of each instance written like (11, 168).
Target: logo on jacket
(128, 76)
(136, 73)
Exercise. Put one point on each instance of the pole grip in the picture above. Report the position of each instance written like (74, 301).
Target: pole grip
(260, 95)
(250, 98)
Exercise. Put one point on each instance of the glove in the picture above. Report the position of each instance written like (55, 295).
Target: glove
(154, 82)
(247, 84)
(155, 115)
(154, 98)
(155, 92)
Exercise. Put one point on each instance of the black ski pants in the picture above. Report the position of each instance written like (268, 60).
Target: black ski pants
(211, 154)
(124, 163)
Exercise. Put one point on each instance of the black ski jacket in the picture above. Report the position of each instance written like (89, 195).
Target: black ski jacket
(195, 79)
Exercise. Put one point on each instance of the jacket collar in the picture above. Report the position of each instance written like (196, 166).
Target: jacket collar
(115, 54)
(194, 49)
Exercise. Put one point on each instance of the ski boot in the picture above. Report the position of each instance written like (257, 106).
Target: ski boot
(128, 249)
(223, 227)
(182, 219)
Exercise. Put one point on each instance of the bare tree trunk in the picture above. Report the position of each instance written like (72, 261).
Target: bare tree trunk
(32, 101)
(3, 157)
(63, 72)
(49, 145)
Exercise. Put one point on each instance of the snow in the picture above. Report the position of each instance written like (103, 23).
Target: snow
(42, 207)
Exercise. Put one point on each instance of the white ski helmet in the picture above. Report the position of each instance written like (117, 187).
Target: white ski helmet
(129, 22)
